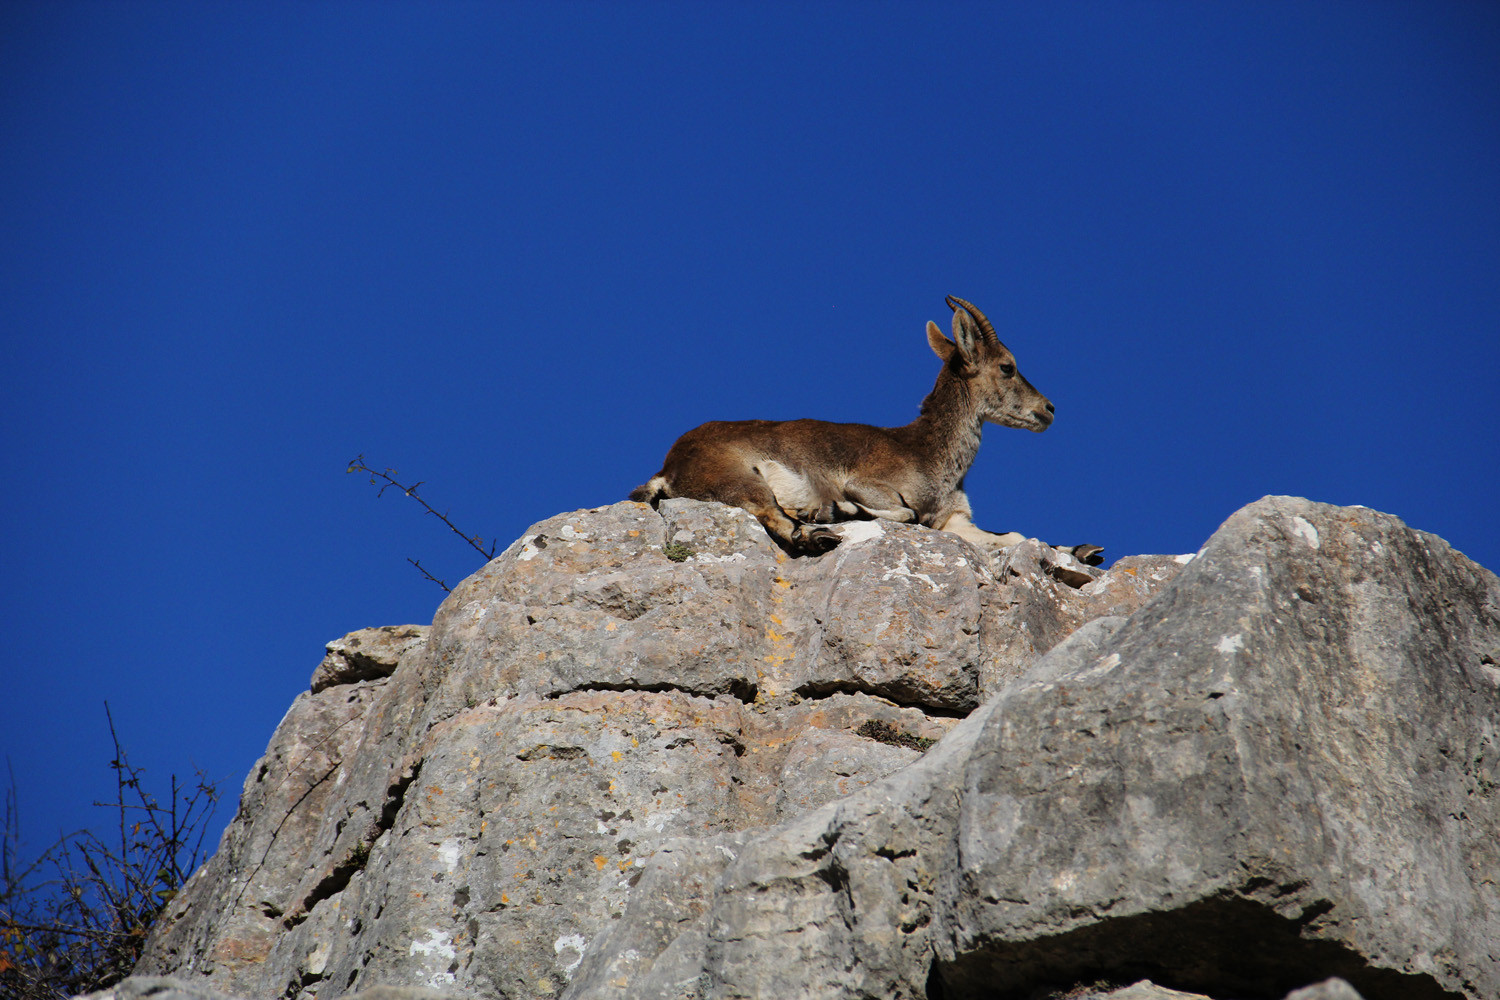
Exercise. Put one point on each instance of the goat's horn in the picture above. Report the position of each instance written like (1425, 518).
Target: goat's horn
(954, 302)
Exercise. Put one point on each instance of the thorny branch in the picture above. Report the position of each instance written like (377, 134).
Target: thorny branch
(388, 479)
(423, 570)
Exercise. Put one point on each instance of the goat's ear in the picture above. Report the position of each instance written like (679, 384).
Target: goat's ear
(966, 334)
(941, 345)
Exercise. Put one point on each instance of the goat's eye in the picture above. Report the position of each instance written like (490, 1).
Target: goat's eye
(1007, 370)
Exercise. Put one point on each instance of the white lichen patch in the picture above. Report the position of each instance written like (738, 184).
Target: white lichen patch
(658, 820)
(574, 943)
(860, 531)
(1104, 665)
(448, 854)
(1185, 558)
(528, 551)
(733, 557)
(903, 568)
(439, 946)
(572, 534)
(1230, 644)
(1304, 530)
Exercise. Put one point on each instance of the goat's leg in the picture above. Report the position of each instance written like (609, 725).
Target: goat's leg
(754, 494)
(825, 512)
(958, 517)
(964, 528)
(960, 524)
(875, 499)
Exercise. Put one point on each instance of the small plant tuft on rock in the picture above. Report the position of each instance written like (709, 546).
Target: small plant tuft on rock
(884, 732)
(677, 552)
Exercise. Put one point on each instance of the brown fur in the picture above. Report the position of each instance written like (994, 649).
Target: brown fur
(795, 476)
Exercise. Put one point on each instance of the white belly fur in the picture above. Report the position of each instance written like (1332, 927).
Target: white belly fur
(793, 490)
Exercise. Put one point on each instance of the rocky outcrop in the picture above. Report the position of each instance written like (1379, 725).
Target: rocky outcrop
(644, 754)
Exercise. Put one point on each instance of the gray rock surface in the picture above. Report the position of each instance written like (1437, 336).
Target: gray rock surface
(627, 761)
(173, 988)
(366, 655)
(1329, 989)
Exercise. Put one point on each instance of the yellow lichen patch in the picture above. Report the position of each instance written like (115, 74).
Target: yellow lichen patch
(617, 755)
(600, 861)
(610, 626)
(781, 645)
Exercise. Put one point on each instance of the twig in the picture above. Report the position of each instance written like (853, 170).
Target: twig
(389, 478)
(423, 570)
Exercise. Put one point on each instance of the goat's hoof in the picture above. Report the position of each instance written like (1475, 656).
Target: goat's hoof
(1089, 555)
(816, 541)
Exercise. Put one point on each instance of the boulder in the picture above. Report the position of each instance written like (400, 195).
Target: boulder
(643, 753)
(365, 655)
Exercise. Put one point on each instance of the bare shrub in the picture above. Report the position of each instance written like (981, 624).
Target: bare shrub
(74, 919)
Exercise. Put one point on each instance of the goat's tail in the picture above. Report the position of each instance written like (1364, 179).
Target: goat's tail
(653, 492)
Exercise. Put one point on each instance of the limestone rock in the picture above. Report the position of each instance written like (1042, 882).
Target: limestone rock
(1282, 765)
(618, 681)
(1034, 610)
(1143, 990)
(172, 988)
(1290, 750)
(645, 754)
(1329, 989)
(366, 654)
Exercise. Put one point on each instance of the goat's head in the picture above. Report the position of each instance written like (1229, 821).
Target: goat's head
(976, 355)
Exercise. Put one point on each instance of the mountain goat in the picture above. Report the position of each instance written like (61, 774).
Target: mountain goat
(797, 476)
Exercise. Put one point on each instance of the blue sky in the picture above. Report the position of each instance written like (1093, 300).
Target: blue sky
(514, 250)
